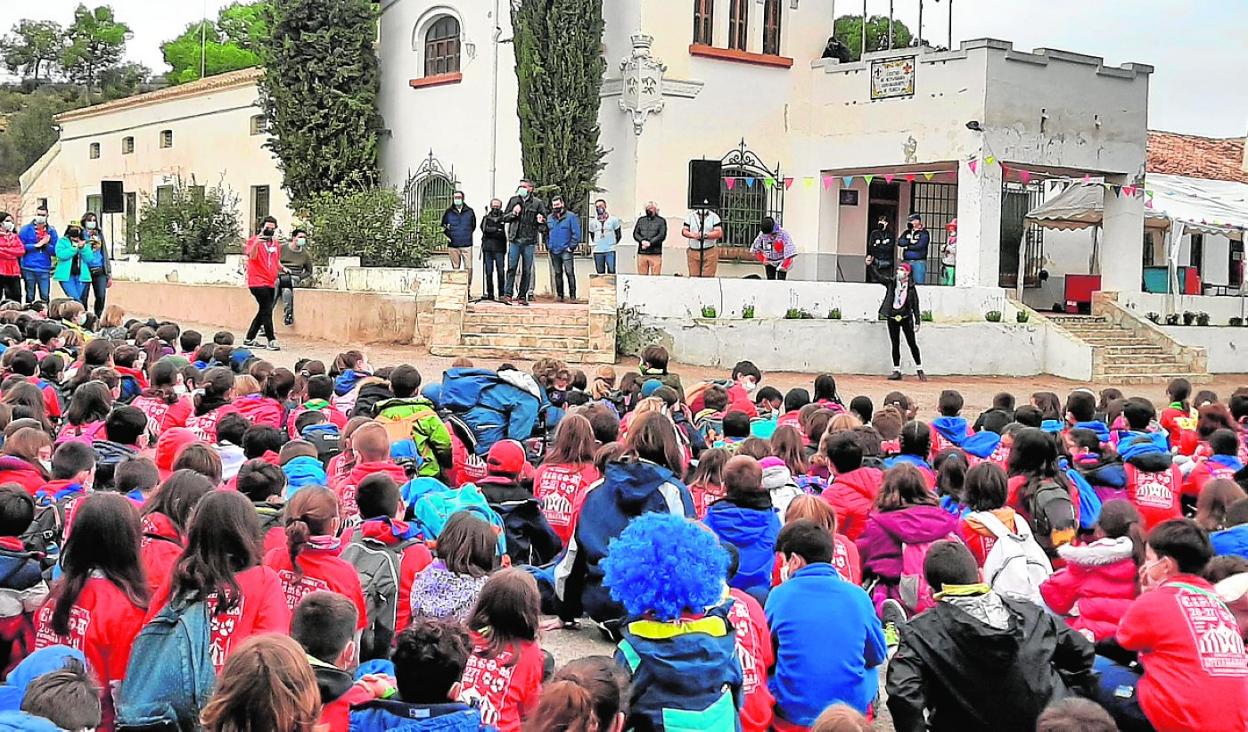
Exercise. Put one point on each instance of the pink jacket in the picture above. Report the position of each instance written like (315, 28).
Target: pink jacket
(1099, 580)
(11, 250)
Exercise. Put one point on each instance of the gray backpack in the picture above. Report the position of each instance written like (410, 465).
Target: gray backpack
(379, 566)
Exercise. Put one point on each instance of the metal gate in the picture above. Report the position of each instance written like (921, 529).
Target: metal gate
(1019, 239)
(937, 203)
(427, 194)
(747, 200)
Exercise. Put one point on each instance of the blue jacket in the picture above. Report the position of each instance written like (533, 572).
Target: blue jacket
(459, 226)
(916, 249)
(686, 671)
(752, 528)
(302, 472)
(805, 613)
(42, 661)
(954, 431)
(1231, 541)
(397, 716)
(1100, 428)
(628, 489)
(564, 234)
(37, 259)
(347, 380)
(495, 406)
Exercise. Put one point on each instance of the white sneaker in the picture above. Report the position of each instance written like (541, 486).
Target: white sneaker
(273, 346)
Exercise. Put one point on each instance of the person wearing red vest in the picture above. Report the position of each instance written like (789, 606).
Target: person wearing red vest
(1195, 668)
(263, 264)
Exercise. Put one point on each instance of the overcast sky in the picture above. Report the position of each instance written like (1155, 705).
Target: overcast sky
(1197, 87)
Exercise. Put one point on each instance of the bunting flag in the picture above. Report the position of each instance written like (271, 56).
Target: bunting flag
(974, 166)
(827, 182)
(749, 182)
(1005, 172)
(788, 183)
(848, 180)
(889, 177)
(868, 178)
(810, 182)
(1025, 176)
(990, 160)
(769, 182)
(910, 177)
(929, 176)
(1086, 179)
(730, 183)
(1129, 190)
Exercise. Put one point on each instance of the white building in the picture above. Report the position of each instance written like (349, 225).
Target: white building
(208, 132)
(742, 81)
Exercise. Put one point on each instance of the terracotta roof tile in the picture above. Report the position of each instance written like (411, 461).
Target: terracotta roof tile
(203, 86)
(1212, 158)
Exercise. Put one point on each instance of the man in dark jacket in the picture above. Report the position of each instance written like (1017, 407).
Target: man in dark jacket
(881, 252)
(650, 232)
(526, 215)
(978, 661)
(914, 245)
(494, 249)
(459, 223)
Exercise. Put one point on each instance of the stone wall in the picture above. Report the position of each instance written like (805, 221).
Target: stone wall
(1106, 305)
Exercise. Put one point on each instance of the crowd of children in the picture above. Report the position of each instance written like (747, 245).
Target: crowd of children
(194, 537)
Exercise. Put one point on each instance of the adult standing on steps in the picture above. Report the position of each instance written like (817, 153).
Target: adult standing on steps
(914, 245)
(526, 215)
(900, 310)
(562, 238)
(263, 261)
(494, 250)
(459, 224)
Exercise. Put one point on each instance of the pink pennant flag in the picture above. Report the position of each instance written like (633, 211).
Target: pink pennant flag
(868, 178)
(1025, 176)
(974, 165)
(929, 176)
(1129, 190)
(730, 183)
(889, 177)
(827, 182)
(1086, 179)
(1148, 203)
(909, 177)
(788, 183)
(1005, 172)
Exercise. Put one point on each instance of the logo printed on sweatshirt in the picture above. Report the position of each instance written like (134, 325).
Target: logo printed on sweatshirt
(1154, 490)
(296, 588)
(485, 683)
(1218, 643)
(751, 675)
(79, 621)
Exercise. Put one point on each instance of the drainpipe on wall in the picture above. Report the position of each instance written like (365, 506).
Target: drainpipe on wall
(498, 34)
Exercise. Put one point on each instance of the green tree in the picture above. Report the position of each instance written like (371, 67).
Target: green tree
(559, 67)
(34, 48)
(188, 224)
(319, 94)
(117, 82)
(97, 41)
(231, 43)
(30, 132)
(848, 30)
(373, 224)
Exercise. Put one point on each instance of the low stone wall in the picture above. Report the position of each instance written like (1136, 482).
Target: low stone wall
(1107, 305)
(1226, 347)
(342, 317)
(1220, 308)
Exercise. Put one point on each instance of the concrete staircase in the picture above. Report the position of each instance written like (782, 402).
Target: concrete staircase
(1129, 350)
(575, 333)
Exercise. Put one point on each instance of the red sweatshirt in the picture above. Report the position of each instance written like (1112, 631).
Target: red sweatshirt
(505, 691)
(205, 425)
(756, 654)
(261, 608)
(347, 487)
(1175, 421)
(159, 549)
(1195, 668)
(1155, 495)
(11, 250)
(162, 414)
(16, 470)
(852, 496)
(323, 571)
(260, 410)
(102, 624)
(263, 261)
(560, 488)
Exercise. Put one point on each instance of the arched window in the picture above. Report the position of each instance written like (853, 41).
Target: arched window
(442, 47)
(739, 25)
(704, 22)
(771, 27)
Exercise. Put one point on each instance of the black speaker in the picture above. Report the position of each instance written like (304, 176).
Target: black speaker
(704, 182)
(114, 194)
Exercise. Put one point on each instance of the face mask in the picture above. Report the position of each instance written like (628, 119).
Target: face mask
(47, 465)
(300, 241)
(180, 389)
(459, 201)
(495, 209)
(749, 386)
(558, 209)
(8, 226)
(601, 210)
(81, 319)
(268, 231)
(89, 225)
(523, 193)
(651, 212)
(41, 219)
(784, 573)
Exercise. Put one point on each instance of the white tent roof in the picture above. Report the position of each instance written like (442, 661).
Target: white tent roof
(1210, 206)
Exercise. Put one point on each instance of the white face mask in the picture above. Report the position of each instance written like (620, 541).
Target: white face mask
(41, 219)
(749, 386)
(81, 319)
(47, 465)
(784, 573)
(9, 226)
(89, 225)
(180, 389)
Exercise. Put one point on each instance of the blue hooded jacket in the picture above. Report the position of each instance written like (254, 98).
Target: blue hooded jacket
(752, 527)
(1231, 541)
(1100, 428)
(628, 489)
(397, 716)
(42, 661)
(1136, 445)
(686, 672)
(37, 259)
(302, 472)
(953, 430)
(22, 722)
(347, 380)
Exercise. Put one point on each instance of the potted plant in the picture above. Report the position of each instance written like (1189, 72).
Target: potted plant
(747, 312)
(1022, 316)
(709, 311)
(834, 314)
(1172, 319)
(1154, 317)
(993, 316)
(1236, 322)
(1188, 317)
(926, 316)
(1202, 319)
(793, 314)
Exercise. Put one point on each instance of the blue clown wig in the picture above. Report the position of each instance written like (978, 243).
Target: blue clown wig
(664, 565)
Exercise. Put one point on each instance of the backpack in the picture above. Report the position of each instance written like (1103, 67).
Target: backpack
(435, 509)
(915, 594)
(46, 532)
(1016, 566)
(1089, 500)
(1052, 514)
(326, 438)
(379, 567)
(170, 676)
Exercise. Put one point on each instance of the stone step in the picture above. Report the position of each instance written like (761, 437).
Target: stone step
(1109, 341)
(1128, 369)
(554, 344)
(1134, 349)
(1155, 378)
(525, 317)
(581, 355)
(1074, 320)
(546, 329)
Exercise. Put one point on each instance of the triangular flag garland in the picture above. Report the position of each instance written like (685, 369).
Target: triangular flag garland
(974, 166)
(788, 183)
(868, 178)
(730, 183)
(827, 182)
(889, 177)
(1025, 176)
(929, 176)
(749, 182)
(910, 177)
(848, 180)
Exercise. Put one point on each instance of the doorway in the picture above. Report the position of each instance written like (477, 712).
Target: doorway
(883, 199)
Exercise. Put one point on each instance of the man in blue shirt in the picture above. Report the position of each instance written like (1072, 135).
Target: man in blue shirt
(562, 239)
(605, 230)
(827, 637)
(39, 237)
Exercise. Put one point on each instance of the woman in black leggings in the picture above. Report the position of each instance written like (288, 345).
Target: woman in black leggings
(263, 253)
(901, 310)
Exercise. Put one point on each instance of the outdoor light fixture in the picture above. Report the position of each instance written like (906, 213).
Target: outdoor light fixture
(973, 126)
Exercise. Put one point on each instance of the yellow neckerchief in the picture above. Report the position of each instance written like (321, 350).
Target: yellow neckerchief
(979, 588)
(658, 630)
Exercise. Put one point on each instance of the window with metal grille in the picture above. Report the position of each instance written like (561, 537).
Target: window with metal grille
(127, 145)
(745, 200)
(1196, 254)
(937, 204)
(132, 223)
(257, 124)
(163, 193)
(95, 204)
(1150, 252)
(1019, 239)
(739, 25)
(442, 47)
(93, 151)
(704, 22)
(433, 197)
(166, 138)
(259, 206)
(771, 26)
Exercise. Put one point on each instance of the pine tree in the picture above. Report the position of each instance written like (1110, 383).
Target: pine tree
(319, 91)
(559, 66)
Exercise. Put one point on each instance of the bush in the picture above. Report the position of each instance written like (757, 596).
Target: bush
(373, 224)
(709, 311)
(834, 314)
(926, 316)
(797, 314)
(993, 316)
(1202, 319)
(189, 224)
(1172, 319)
(747, 312)
(1022, 316)
(631, 332)
(1237, 322)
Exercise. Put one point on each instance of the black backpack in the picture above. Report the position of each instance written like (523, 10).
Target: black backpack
(1052, 514)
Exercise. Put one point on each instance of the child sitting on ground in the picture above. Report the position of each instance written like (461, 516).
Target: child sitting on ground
(65, 697)
(22, 587)
(136, 479)
(301, 466)
(746, 519)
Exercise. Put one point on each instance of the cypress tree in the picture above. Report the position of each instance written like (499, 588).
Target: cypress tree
(319, 92)
(559, 65)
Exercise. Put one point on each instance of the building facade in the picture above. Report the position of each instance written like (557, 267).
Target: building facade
(825, 147)
(208, 133)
